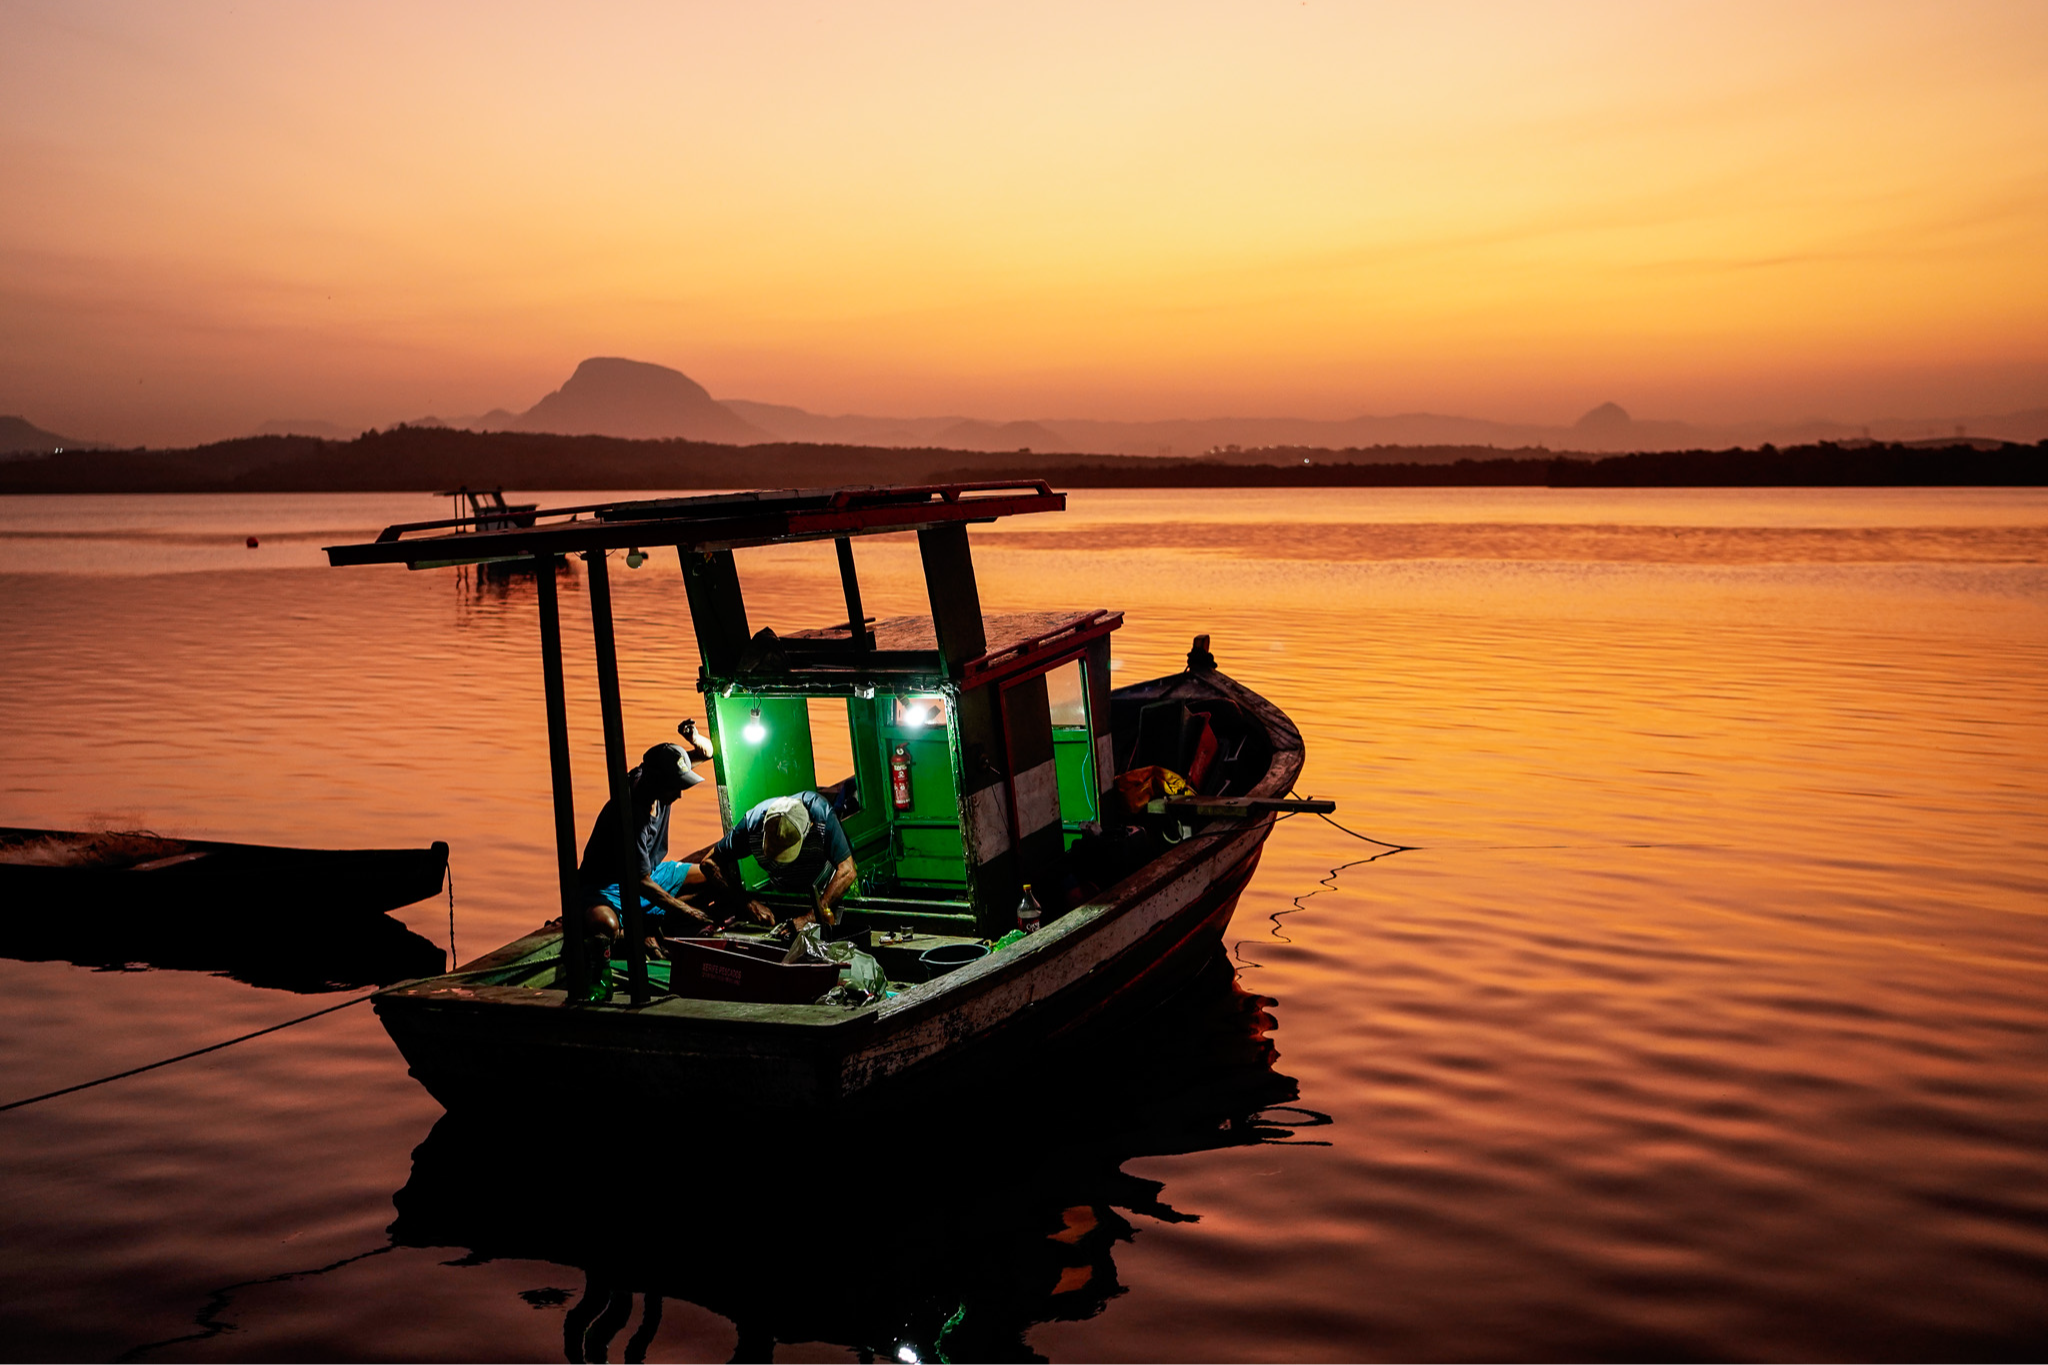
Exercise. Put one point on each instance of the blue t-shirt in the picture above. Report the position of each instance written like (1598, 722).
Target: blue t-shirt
(825, 846)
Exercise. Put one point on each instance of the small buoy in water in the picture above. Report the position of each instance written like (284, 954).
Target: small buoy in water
(250, 542)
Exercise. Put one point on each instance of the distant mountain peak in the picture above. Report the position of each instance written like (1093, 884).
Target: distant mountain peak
(1606, 416)
(21, 437)
(614, 396)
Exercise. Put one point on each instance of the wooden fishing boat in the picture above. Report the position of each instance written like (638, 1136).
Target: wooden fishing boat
(117, 871)
(999, 742)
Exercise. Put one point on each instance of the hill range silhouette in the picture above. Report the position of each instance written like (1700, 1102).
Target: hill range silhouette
(627, 424)
(637, 400)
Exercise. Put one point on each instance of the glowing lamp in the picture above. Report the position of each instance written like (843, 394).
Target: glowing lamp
(755, 731)
(915, 713)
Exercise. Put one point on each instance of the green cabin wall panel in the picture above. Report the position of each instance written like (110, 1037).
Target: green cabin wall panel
(1075, 765)
(780, 765)
(869, 829)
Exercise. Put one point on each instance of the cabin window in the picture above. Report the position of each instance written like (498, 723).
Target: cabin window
(1067, 694)
(831, 738)
(1066, 691)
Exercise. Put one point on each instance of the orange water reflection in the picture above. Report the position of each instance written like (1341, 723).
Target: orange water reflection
(1706, 1017)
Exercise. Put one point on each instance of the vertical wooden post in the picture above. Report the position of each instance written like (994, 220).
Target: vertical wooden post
(977, 728)
(1096, 675)
(616, 767)
(575, 967)
(1034, 790)
(717, 609)
(849, 583)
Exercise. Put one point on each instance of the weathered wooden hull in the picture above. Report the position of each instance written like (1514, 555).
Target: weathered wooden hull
(294, 919)
(113, 872)
(475, 1044)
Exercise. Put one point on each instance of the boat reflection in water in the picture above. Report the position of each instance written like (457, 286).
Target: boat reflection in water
(943, 1227)
(374, 952)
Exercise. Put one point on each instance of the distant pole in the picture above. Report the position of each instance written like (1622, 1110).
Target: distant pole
(630, 870)
(575, 968)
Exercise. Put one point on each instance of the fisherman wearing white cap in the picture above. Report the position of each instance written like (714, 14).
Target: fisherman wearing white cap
(664, 774)
(799, 843)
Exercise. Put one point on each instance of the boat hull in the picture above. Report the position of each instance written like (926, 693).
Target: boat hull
(485, 1047)
(476, 1042)
(115, 872)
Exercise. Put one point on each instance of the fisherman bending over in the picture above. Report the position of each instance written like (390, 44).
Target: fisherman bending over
(799, 843)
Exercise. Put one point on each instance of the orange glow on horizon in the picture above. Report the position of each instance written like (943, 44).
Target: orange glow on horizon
(369, 213)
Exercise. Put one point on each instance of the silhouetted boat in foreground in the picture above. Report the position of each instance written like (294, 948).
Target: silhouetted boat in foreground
(990, 749)
(300, 919)
(116, 872)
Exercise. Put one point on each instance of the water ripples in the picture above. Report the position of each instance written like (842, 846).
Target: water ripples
(1703, 1018)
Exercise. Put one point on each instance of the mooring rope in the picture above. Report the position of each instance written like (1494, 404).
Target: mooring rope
(1363, 838)
(181, 1057)
(1328, 881)
(448, 870)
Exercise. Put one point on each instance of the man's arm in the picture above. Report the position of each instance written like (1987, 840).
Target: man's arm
(653, 893)
(839, 853)
(726, 852)
(842, 878)
(698, 745)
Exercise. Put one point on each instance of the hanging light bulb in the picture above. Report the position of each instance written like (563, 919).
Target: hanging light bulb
(634, 559)
(755, 731)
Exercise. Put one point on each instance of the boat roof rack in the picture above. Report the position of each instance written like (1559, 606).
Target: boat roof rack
(711, 521)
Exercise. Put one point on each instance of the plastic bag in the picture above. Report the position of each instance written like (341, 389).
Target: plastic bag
(863, 976)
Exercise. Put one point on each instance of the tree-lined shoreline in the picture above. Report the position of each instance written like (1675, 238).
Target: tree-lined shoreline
(430, 459)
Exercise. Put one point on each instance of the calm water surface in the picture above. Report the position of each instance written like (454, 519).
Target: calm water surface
(1704, 1018)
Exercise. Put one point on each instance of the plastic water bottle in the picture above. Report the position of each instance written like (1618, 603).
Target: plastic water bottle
(1028, 913)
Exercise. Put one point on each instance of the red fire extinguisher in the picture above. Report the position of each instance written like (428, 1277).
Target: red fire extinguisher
(899, 776)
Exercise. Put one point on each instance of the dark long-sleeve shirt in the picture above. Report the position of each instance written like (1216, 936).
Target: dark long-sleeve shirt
(600, 866)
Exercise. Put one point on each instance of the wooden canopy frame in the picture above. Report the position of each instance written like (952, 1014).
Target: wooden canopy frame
(705, 530)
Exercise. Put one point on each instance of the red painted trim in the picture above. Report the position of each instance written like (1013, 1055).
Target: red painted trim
(1040, 654)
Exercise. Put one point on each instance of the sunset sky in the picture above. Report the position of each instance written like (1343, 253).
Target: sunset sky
(222, 213)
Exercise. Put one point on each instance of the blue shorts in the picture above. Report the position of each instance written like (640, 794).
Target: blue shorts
(667, 876)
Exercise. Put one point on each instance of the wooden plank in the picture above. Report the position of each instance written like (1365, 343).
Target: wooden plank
(773, 519)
